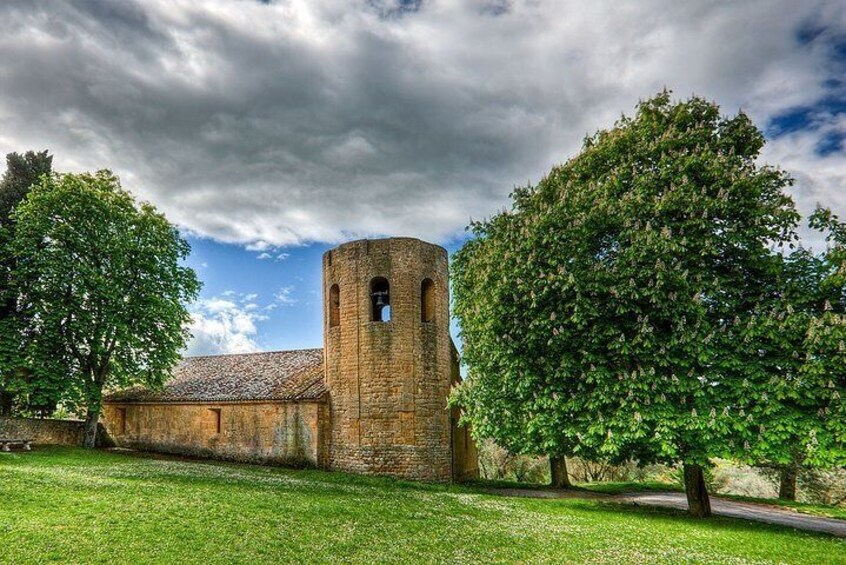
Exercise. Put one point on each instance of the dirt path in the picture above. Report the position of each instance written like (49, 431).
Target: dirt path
(720, 506)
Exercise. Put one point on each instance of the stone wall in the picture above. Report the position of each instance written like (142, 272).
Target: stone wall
(43, 431)
(465, 456)
(388, 381)
(288, 433)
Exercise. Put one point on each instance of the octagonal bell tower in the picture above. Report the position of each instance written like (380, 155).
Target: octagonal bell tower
(388, 358)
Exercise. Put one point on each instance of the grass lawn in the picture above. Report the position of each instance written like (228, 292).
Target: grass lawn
(74, 506)
(604, 488)
(627, 487)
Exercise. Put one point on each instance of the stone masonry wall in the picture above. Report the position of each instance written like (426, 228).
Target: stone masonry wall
(388, 381)
(43, 431)
(465, 456)
(287, 433)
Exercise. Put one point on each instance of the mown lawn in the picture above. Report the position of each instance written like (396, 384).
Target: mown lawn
(74, 506)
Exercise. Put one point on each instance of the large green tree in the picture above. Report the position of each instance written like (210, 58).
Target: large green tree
(796, 353)
(22, 172)
(600, 314)
(99, 288)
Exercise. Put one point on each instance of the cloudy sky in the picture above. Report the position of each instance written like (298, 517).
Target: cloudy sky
(270, 131)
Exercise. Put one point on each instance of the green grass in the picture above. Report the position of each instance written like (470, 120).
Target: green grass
(627, 487)
(74, 506)
(603, 488)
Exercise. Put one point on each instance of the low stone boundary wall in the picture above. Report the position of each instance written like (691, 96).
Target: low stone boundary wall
(43, 432)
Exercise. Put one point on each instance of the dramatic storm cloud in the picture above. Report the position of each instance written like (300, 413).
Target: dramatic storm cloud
(285, 122)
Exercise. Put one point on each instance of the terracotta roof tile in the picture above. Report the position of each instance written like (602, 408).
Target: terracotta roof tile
(276, 375)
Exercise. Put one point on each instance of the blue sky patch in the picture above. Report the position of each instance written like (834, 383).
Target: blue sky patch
(818, 117)
(831, 142)
(279, 289)
(806, 117)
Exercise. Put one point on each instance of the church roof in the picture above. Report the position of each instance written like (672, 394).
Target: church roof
(275, 375)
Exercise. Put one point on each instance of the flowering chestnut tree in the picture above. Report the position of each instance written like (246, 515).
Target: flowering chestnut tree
(601, 313)
(795, 344)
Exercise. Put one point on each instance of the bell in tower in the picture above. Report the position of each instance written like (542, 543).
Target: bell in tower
(380, 295)
(389, 363)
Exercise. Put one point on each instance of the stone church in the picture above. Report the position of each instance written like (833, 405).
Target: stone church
(372, 401)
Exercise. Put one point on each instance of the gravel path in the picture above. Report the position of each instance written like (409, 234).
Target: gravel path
(720, 506)
(744, 510)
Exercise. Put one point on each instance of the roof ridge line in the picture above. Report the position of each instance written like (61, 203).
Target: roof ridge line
(253, 353)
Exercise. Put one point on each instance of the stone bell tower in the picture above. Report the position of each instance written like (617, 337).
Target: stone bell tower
(389, 358)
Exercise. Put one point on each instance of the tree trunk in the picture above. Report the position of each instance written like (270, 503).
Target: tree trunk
(787, 482)
(94, 401)
(92, 418)
(558, 471)
(698, 503)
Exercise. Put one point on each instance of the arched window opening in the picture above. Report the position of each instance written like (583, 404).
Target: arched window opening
(427, 300)
(334, 306)
(380, 299)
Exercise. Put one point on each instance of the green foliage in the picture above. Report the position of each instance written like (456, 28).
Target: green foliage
(67, 505)
(22, 171)
(99, 289)
(824, 487)
(601, 315)
(497, 464)
(795, 347)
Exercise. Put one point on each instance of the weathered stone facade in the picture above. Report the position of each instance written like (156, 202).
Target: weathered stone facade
(374, 401)
(43, 431)
(389, 380)
(287, 433)
(465, 456)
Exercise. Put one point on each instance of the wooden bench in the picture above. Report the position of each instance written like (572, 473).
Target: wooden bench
(6, 444)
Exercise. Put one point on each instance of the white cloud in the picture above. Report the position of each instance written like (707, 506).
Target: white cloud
(300, 120)
(222, 326)
(284, 297)
(259, 245)
(275, 256)
(820, 179)
(229, 323)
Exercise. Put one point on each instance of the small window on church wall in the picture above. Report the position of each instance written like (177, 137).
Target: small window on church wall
(121, 421)
(334, 306)
(427, 300)
(380, 300)
(215, 420)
